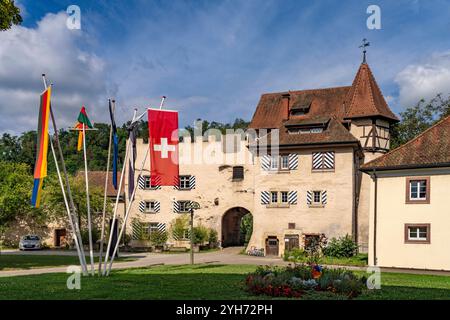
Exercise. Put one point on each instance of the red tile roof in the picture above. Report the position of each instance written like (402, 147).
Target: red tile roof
(429, 149)
(365, 98)
(333, 133)
(323, 102)
(97, 179)
(362, 99)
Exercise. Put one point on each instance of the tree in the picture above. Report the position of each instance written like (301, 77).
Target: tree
(201, 234)
(247, 227)
(418, 118)
(16, 185)
(54, 206)
(9, 14)
(180, 227)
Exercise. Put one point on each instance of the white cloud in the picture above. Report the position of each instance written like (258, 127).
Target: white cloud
(50, 48)
(425, 80)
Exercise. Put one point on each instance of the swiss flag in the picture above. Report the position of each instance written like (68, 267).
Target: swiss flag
(163, 143)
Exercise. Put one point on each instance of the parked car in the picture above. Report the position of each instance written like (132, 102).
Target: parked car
(30, 242)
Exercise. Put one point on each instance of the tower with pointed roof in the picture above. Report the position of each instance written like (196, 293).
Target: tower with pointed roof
(369, 114)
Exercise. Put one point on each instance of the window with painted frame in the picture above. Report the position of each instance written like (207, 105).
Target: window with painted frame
(317, 197)
(418, 190)
(417, 233)
(150, 207)
(183, 206)
(184, 183)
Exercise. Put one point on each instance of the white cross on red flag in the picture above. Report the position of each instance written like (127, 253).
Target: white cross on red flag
(163, 143)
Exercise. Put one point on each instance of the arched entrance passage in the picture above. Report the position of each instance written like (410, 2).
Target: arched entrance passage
(231, 227)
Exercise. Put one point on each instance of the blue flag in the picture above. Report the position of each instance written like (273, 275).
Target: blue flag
(115, 146)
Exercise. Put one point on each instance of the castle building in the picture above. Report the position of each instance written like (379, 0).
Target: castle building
(299, 178)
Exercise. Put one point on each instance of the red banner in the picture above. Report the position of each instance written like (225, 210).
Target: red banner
(163, 143)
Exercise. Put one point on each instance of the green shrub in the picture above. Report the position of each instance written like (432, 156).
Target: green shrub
(201, 234)
(213, 238)
(295, 255)
(343, 247)
(158, 238)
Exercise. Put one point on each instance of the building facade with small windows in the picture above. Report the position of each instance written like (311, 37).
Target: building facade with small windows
(299, 179)
(409, 216)
(219, 177)
(310, 146)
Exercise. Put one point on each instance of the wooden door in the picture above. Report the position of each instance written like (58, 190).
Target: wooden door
(291, 241)
(272, 246)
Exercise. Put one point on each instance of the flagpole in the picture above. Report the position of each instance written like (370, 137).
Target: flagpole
(127, 213)
(122, 229)
(88, 204)
(105, 195)
(77, 245)
(113, 224)
(72, 215)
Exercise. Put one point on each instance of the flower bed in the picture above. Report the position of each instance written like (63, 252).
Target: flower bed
(294, 281)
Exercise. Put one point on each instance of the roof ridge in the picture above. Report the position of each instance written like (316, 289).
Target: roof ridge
(307, 90)
(410, 141)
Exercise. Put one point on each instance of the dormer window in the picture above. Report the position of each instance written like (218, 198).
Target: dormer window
(299, 110)
(310, 130)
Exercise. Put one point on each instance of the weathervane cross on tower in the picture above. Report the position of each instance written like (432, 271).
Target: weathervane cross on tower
(363, 46)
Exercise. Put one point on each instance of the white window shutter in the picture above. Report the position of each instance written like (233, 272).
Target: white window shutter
(192, 182)
(324, 197)
(157, 206)
(141, 182)
(309, 195)
(328, 160)
(265, 162)
(293, 161)
(161, 227)
(265, 197)
(292, 197)
(142, 206)
(176, 207)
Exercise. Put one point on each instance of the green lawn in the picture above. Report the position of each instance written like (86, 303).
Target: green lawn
(359, 260)
(15, 261)
(203, 281)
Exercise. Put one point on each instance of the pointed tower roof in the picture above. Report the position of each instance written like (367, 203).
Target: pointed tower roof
(365, 98)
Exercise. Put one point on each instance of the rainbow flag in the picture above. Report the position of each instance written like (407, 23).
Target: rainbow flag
(82, 120)
(40, 167)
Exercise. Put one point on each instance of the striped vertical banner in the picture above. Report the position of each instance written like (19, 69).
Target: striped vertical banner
(292, 197)
(293, 161)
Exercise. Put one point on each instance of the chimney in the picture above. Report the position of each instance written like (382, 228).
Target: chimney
(285, 98)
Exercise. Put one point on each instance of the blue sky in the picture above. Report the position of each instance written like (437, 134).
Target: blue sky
(213, 59)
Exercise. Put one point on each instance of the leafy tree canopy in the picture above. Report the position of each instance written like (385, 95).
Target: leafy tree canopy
(9, 14)
(418, 118)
